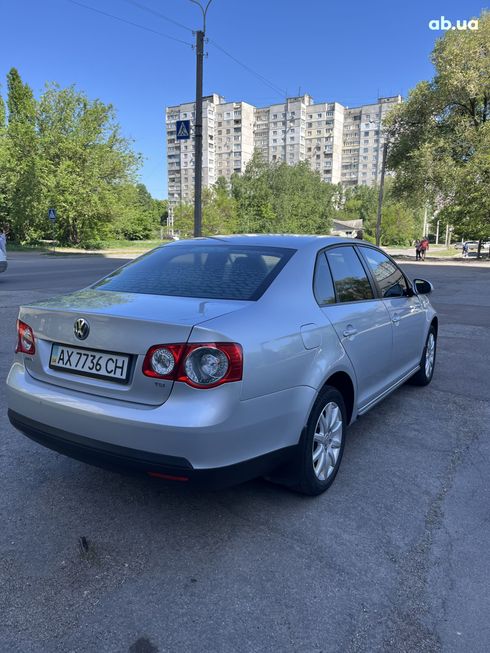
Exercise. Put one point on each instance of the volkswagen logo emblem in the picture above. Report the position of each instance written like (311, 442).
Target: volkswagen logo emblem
(81, 328)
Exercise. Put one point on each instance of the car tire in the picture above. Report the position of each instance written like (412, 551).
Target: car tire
(427, 362)
(321, 445)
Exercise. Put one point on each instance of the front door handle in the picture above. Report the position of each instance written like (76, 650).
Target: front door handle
(349, 331)
(396, 318)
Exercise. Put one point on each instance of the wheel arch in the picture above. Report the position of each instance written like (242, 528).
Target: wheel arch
(342, 382)
(435, 324)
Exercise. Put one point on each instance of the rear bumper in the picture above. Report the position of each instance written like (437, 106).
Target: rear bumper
(3, 266)
(209, 429)
(162, 467)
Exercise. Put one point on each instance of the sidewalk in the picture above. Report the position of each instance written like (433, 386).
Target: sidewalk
(408, 254)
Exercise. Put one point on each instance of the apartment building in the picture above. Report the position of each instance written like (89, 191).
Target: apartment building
(228, 144)
(344, 145)
(362, 151)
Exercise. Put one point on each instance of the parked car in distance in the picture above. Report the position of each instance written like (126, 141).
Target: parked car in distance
(216, 360)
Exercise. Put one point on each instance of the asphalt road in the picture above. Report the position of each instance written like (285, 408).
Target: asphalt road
(394, 557)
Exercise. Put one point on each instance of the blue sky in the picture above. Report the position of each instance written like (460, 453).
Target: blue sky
(350, 52)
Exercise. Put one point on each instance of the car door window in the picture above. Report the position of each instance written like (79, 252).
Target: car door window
(322, 283)
(388, 276)
(350, 279)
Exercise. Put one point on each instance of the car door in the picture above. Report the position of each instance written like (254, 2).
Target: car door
(360, 319)
(406, 311)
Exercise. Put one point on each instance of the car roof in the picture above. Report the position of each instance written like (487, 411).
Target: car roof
(294, 241)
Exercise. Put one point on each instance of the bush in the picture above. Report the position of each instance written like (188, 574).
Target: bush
(95, 244)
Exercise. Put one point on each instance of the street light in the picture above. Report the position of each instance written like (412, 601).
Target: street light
(198, 121)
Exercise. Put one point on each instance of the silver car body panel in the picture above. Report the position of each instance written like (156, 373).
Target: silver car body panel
(141, 323)
(218, 430)
(291, 348)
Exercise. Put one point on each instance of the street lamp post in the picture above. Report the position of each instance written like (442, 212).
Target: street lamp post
(198, 121)
(381, 193)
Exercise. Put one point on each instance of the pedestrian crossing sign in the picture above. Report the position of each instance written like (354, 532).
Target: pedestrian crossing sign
(183, 130)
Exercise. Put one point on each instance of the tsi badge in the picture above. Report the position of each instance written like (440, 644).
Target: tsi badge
(81, 328)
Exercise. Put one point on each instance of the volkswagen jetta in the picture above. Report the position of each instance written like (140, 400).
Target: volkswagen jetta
(220, 359)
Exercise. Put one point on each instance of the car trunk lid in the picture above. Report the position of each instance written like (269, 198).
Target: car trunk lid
(119, 323)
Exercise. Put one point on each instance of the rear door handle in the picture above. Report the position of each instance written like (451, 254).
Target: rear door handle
(349, 331)
(396, 318)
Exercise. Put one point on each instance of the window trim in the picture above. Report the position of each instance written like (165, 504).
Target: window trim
(378, 287)
(319, 254)
(374, 287)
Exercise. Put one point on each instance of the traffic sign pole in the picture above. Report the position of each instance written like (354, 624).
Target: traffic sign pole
(52, 219)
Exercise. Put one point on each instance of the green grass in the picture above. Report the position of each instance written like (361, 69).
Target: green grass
(106, 245)
(17, 247)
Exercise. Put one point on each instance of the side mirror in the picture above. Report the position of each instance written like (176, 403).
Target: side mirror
(422, 287)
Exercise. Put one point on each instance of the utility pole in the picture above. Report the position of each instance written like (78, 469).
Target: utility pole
(198, 136)
(381, 193)
(425, 226)
(198, 122)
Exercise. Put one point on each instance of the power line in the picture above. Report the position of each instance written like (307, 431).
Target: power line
(277, 89)
(129, 22)
(157, 13)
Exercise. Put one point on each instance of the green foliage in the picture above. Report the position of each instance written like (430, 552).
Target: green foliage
(360, 203)
(278, 198)
(401, 222)
(440, 141)
(66, 151)
(139, 215)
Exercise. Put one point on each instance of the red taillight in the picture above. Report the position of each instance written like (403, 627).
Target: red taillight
(161, 361)
(25, 339)
(201, 365)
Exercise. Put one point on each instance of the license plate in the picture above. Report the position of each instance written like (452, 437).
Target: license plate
(90, 363)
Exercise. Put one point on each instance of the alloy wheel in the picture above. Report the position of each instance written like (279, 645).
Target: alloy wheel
(430, 354)
(327, 441)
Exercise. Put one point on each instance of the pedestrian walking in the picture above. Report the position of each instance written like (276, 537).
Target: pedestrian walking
(424, 246)
(466, 250)
(417, 250)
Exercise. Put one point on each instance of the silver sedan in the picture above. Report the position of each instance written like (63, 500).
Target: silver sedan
(216, 360)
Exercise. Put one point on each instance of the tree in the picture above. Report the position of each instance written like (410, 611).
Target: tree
(87, 163)
(439, 137)
(360, 203)
(401, 221)
(3, 163)
(279, 198)
(66, 151)
(22, 180)
(138, 215)
(218, 214)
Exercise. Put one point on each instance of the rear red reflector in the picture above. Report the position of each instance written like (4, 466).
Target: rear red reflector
(167, 477)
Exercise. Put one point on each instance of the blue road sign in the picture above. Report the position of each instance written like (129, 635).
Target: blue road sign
(183, 130)
(52, 214)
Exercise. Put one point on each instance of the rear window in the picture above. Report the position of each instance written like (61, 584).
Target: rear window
(214, 271)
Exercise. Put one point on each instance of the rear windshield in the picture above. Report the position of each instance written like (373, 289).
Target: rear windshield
(215, 271)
